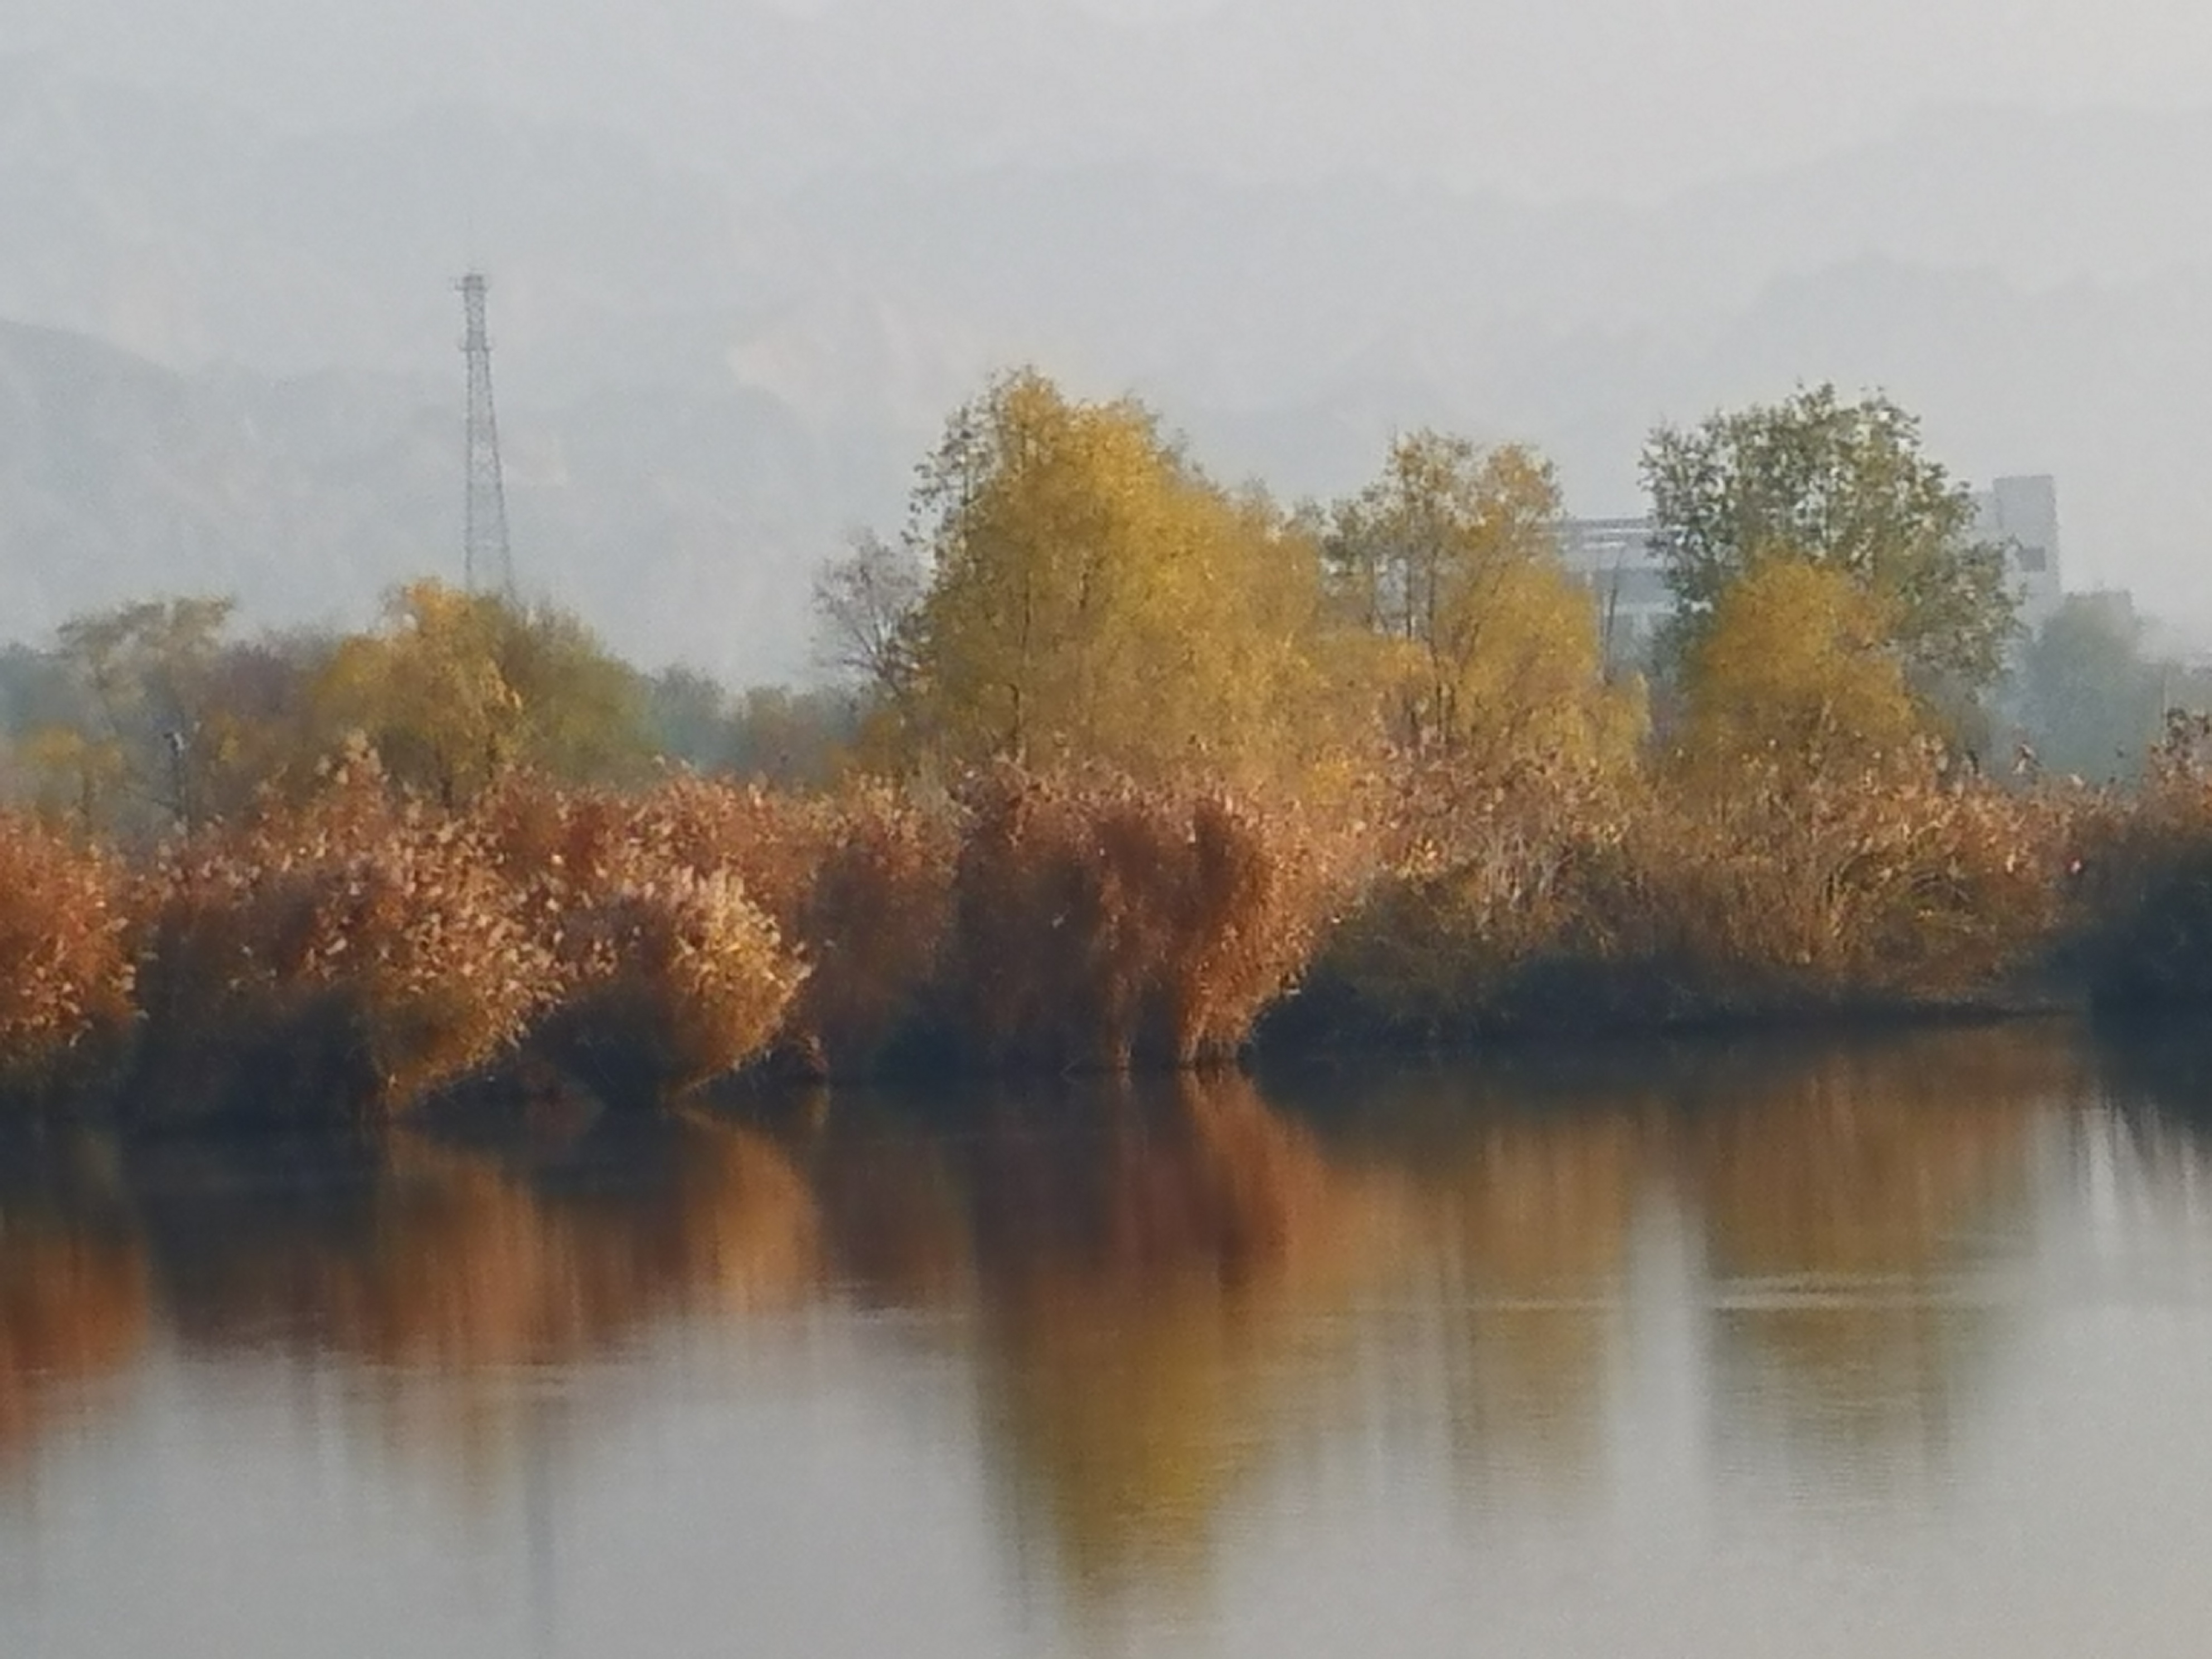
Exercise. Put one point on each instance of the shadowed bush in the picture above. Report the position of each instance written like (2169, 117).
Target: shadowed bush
(68, 977)
(2141, 938)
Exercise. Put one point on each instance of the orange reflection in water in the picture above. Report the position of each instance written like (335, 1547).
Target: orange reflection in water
(72, 1310)
(1157, 1294)
(1841, 1200)
(1164, 1294)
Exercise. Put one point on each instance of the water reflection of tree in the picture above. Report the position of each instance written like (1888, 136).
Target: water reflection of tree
(1838, 1189)
(74, 1308)
(1842, 1197)
(1166, 1293)
(440, 1276)
(1530, 1228)
(1524, 1179)
(1156, 1295)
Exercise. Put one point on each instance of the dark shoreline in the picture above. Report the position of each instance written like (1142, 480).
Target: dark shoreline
(1280, 1053)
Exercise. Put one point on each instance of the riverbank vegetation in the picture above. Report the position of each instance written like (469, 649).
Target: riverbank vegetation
(1120, 767)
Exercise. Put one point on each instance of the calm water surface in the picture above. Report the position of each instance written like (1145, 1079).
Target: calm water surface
(1901, 1347)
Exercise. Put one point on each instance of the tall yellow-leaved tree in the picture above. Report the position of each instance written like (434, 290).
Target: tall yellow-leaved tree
(1486, 649)
(1092, 595)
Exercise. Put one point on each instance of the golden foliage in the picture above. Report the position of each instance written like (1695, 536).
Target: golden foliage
(1795, 669)
(354, 951)
(1484, 648)
(68, 972)
(1095, 598)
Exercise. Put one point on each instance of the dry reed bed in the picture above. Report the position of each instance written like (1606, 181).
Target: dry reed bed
(351, 954)
(362, 951)
(1095, 924)
(1562, 904)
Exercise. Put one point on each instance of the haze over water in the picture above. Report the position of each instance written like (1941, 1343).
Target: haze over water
(1899, 1347)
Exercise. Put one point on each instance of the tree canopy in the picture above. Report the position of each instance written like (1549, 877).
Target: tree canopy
(1092, 595)
(1793, 668)
(1843, 485)
(1488, 648)
(458, 688)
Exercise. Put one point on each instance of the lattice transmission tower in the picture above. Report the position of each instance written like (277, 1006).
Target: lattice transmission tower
(487, 562)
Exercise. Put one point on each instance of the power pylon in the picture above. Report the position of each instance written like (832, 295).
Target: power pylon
(487, 563)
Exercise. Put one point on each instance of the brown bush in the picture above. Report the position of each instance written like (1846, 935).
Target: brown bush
(352, 953)
(1097, 923)
(669, 972)
(68, 976)
(1573, 906)
(670, 979)
(873, 925)
(1894, 887)
(856, 886)
(1470, 883)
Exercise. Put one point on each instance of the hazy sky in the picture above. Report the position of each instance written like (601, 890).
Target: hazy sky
(874, 205)
(1619, 97)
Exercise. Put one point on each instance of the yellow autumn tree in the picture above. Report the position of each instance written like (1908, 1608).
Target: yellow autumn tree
(1797, 666)
(1092, 595)
(458, 688)
(1486, 649)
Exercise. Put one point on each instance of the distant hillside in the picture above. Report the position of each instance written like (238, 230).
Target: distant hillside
(685, 531)
(704, 383)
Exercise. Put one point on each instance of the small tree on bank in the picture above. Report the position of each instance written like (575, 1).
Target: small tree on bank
(1794, 671)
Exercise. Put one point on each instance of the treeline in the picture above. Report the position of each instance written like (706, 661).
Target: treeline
(1122, 763)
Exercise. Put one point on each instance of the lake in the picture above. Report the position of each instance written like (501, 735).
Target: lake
(1897, 1345)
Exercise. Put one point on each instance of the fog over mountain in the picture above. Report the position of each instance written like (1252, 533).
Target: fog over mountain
(745, 257)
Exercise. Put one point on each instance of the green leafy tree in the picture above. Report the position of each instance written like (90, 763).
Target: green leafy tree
(151, 716)
(2089, 697)
(1843, 485)
(458, 688)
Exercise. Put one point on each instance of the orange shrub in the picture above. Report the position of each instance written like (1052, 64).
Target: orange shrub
(670, 979)
(669, 972)
(854, 886)
(1098, 923)
(68, 973)
(354, 952)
